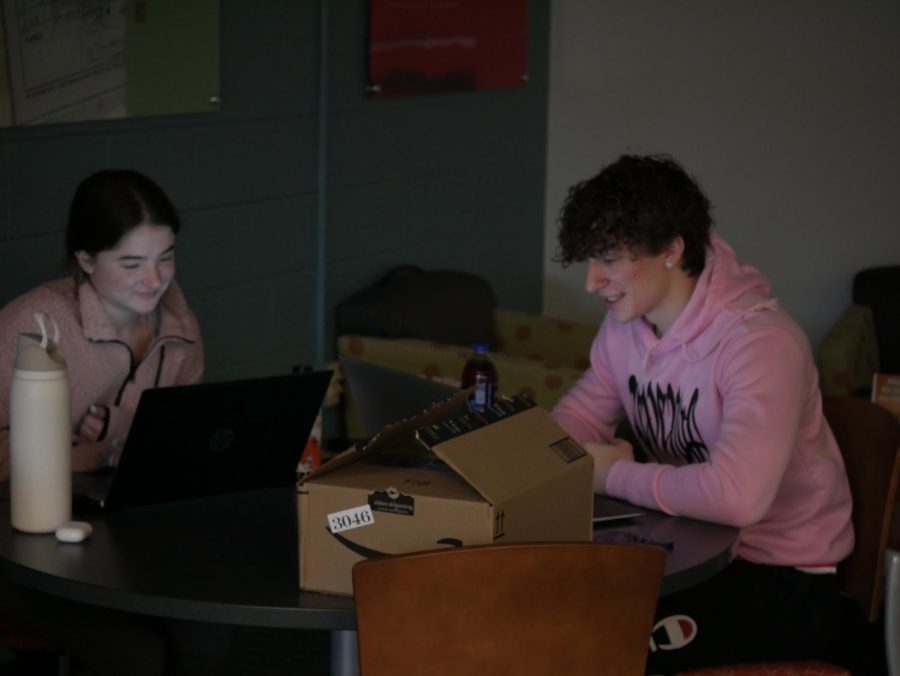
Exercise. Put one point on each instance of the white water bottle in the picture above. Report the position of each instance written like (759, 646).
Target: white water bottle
(40, 433)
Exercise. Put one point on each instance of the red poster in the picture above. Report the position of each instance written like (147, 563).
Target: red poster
(424, 46)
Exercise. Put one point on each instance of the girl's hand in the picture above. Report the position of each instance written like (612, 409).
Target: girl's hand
(92, 425)
(96, 455)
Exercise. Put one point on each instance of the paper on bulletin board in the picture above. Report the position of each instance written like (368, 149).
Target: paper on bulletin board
(66, 59)
(425, 46)
(77, 60)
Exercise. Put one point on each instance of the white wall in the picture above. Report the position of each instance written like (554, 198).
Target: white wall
(787, 112)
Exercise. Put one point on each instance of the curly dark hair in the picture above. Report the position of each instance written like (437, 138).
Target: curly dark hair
(640, 202)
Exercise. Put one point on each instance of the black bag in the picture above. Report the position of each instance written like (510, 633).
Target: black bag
(444, 306)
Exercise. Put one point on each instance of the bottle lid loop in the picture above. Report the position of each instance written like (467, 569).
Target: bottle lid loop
(39, 318)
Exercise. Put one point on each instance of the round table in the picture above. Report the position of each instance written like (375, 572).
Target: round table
(234, 559)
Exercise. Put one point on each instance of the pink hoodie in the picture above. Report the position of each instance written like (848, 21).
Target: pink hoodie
(101, 369)
(727, 403)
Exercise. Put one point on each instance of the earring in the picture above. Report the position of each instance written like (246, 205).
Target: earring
(668, 265)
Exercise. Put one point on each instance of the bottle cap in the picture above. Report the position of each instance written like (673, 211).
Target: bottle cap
(30, 356)
(38, 351)
(480, 347)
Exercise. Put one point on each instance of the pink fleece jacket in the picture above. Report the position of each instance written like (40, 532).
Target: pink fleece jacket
(727, 405)
(101, 369)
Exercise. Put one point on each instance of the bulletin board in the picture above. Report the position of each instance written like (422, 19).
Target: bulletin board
(427, 46)
(77, 60)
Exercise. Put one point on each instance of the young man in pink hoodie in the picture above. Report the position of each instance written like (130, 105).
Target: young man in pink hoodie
(720, 389)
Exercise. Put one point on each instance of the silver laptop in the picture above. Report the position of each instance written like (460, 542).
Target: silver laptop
(609, 509)
(383, 396)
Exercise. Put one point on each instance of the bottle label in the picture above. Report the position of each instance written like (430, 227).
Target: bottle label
(483, 395)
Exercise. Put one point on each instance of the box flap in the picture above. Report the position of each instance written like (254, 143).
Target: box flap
(403, 432)
(398, 438)
(413, 480)
(507, 452)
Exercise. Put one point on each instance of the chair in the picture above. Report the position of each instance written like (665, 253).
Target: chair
(574, 608)
(869, 438)
(866, 337)
(25, 646)
(892, 611)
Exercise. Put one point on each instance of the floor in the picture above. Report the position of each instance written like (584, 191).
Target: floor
(285, 652)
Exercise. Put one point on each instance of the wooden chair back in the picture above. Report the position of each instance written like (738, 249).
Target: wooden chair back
(869, 438)
(526, 609)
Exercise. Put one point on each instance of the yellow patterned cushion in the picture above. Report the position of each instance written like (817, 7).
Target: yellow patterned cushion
(551, 341)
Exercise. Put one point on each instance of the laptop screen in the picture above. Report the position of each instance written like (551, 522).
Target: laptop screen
(191, 441)
(384, 396)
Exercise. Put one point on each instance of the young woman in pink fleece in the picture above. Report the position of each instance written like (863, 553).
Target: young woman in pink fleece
(720, 389)
(124, 327)
(124, 324)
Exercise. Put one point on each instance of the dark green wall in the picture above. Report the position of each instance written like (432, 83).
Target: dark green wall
(442, 181)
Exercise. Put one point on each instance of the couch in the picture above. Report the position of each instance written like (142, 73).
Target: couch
(535, 355)
(425, 323)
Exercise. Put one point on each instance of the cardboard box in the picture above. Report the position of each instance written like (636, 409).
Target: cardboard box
(508, 475)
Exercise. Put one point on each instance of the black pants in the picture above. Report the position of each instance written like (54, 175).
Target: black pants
(747, 613)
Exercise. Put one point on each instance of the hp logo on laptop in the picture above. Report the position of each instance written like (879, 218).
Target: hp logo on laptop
(221, 439)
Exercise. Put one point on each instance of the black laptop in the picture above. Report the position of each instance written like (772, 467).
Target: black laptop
(192, 441)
